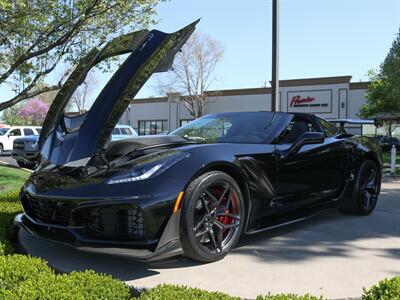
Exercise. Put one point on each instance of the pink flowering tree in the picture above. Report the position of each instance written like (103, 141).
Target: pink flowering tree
(34, 112)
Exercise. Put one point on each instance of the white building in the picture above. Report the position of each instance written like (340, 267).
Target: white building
(329, 97)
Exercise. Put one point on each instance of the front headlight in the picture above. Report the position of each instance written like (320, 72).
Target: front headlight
(149, 166)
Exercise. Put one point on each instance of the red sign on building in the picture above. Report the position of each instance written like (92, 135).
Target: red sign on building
(298, 101)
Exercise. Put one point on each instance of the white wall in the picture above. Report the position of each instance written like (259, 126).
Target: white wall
(356, 100)
(145, 111)
(330, 101)
(239, 103)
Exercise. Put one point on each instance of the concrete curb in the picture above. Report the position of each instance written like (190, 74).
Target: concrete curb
(5, 164)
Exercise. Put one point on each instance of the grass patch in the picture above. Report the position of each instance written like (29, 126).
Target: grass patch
(386, 158)
(387, 161)
(11, 181)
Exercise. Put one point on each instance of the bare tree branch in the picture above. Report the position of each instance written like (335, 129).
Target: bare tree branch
(81, 94)
(193, 72)
(27, 95)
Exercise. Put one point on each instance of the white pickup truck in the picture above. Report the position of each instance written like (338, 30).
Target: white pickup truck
(9, 134)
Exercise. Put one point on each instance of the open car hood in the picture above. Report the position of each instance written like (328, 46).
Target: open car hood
(74, 141)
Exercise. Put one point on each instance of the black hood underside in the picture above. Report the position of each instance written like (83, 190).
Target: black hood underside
(74, 141)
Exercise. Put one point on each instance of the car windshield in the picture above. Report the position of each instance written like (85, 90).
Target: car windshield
(249, 127)
(3, 131)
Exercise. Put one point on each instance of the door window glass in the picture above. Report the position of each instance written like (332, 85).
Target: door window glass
(28, 131)
(296, 129)
(330, 129)
(116, 131)
(15, 132)
(126, 131)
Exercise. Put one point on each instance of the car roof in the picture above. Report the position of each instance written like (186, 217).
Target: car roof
(21, 127)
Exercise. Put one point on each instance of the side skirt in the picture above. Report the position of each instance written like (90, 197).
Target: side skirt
(289, 222)
(336, 203)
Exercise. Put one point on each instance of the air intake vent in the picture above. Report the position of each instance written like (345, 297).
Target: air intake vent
(122, 222)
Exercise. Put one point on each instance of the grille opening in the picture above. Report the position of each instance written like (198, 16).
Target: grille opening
(48, 210)
(19, 145)
(118, 223)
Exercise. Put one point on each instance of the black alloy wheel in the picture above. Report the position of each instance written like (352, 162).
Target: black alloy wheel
(1, 150)
(212, 217)
(366, 190)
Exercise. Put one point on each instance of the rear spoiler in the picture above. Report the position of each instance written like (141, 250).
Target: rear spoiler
(343, 122)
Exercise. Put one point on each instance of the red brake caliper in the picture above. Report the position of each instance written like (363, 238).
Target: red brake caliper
(231, 209)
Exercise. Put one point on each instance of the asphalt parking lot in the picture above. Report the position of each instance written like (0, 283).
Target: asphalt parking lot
(6, 159)
(332, 255)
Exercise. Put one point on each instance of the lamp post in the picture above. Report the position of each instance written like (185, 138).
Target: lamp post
(275, 101)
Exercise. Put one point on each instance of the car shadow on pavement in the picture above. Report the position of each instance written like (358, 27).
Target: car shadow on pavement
(329, 234)
(65, 258)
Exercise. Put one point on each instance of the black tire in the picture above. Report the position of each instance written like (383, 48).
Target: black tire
(212, 217)
(30, 166)
(1, 150)
(367, 187)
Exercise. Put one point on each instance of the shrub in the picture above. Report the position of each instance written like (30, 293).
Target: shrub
(167, 291)
(387, 289)
(16, 269)
(8, 210)
(76, 285)
(288, 297)
(25, 277)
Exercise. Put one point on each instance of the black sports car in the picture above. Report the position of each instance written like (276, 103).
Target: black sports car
(196, 190)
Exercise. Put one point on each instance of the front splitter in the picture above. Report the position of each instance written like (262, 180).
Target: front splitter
(168, 246)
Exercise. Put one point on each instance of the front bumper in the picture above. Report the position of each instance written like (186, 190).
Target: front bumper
(168, 245)
(25, 156)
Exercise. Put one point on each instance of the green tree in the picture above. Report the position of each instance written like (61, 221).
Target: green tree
(383, 97)
(10, 115)
(36, 36)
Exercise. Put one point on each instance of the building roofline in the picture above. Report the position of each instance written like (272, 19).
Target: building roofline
(315, 81)
(267, 90)
(239, 92)
(359, 85)
(149, 100)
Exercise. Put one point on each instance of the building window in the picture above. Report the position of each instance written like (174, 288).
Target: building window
(183, 122)
(147, 127)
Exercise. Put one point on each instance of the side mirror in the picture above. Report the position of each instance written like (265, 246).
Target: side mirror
(307, 138)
